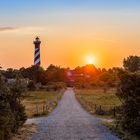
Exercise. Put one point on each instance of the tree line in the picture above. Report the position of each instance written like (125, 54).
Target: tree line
(77, 77)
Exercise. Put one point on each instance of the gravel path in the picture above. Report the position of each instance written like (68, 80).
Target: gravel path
(69, 121)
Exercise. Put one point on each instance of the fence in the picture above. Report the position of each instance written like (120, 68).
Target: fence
(45, 108)
(107, 110)
(100, 109)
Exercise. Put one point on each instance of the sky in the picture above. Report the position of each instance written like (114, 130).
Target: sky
(71, 31)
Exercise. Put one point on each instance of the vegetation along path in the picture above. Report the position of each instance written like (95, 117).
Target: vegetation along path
(70, 121)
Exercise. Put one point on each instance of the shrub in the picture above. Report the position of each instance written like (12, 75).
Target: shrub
(31, 86)
(12, 113)
(54, 86)
(129, 93)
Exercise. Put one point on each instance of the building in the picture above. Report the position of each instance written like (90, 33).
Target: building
(37, 60)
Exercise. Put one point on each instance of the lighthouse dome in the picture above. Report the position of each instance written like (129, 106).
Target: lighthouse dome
(37, 40)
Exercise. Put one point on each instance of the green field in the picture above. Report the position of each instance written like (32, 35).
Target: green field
(35, 102)
(96, 98)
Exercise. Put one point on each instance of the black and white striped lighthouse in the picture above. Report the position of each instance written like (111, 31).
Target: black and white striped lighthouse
(37, 43)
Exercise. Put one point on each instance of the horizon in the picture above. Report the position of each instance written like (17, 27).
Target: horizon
(71, 31)
(60, 67)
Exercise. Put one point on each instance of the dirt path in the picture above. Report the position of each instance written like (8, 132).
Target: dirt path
(70, 121)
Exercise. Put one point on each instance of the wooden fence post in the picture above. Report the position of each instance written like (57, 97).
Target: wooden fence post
(43, 109)
(114, 112)
(95, 107)
(37, 109)
(100, 107)
(47, 108)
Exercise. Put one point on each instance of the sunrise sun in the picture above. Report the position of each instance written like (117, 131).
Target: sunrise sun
(90, 60)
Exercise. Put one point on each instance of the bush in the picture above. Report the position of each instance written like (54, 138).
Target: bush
(32, 86)
(129, 93)
(6, 117)
(12, 113)
(54, 86)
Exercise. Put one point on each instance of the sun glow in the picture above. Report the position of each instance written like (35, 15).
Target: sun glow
(90, 60)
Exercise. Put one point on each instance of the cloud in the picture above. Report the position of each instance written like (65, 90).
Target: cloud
(6, 28)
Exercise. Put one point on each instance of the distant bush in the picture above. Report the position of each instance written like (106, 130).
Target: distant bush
(12, 113)
(32, 86)
(54, 86)
(129, 94)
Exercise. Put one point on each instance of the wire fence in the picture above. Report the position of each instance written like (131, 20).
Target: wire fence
(98, 109)
(45, 108)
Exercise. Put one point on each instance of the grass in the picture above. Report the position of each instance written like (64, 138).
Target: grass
(36, 101)
(30, 101)
(92, 99)
(124, 135)
(24, 132)
(99, 97)
(89, 97)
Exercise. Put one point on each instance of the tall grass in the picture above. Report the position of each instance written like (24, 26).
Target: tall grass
(96, 101)
(36, 102)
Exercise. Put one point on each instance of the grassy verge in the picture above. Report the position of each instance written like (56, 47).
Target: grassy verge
(92, 99)
(124, 135)
(39, 103)
(97, 102)
(25, 132)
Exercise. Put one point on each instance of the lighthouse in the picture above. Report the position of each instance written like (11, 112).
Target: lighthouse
(37, 43)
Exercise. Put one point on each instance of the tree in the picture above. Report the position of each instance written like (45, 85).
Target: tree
(11, 73)
(132, 63)
(56, 74)
(35, 73)
(6, 115)
(108, 79)
(129, 93)
(12, 112)
(16, 93)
